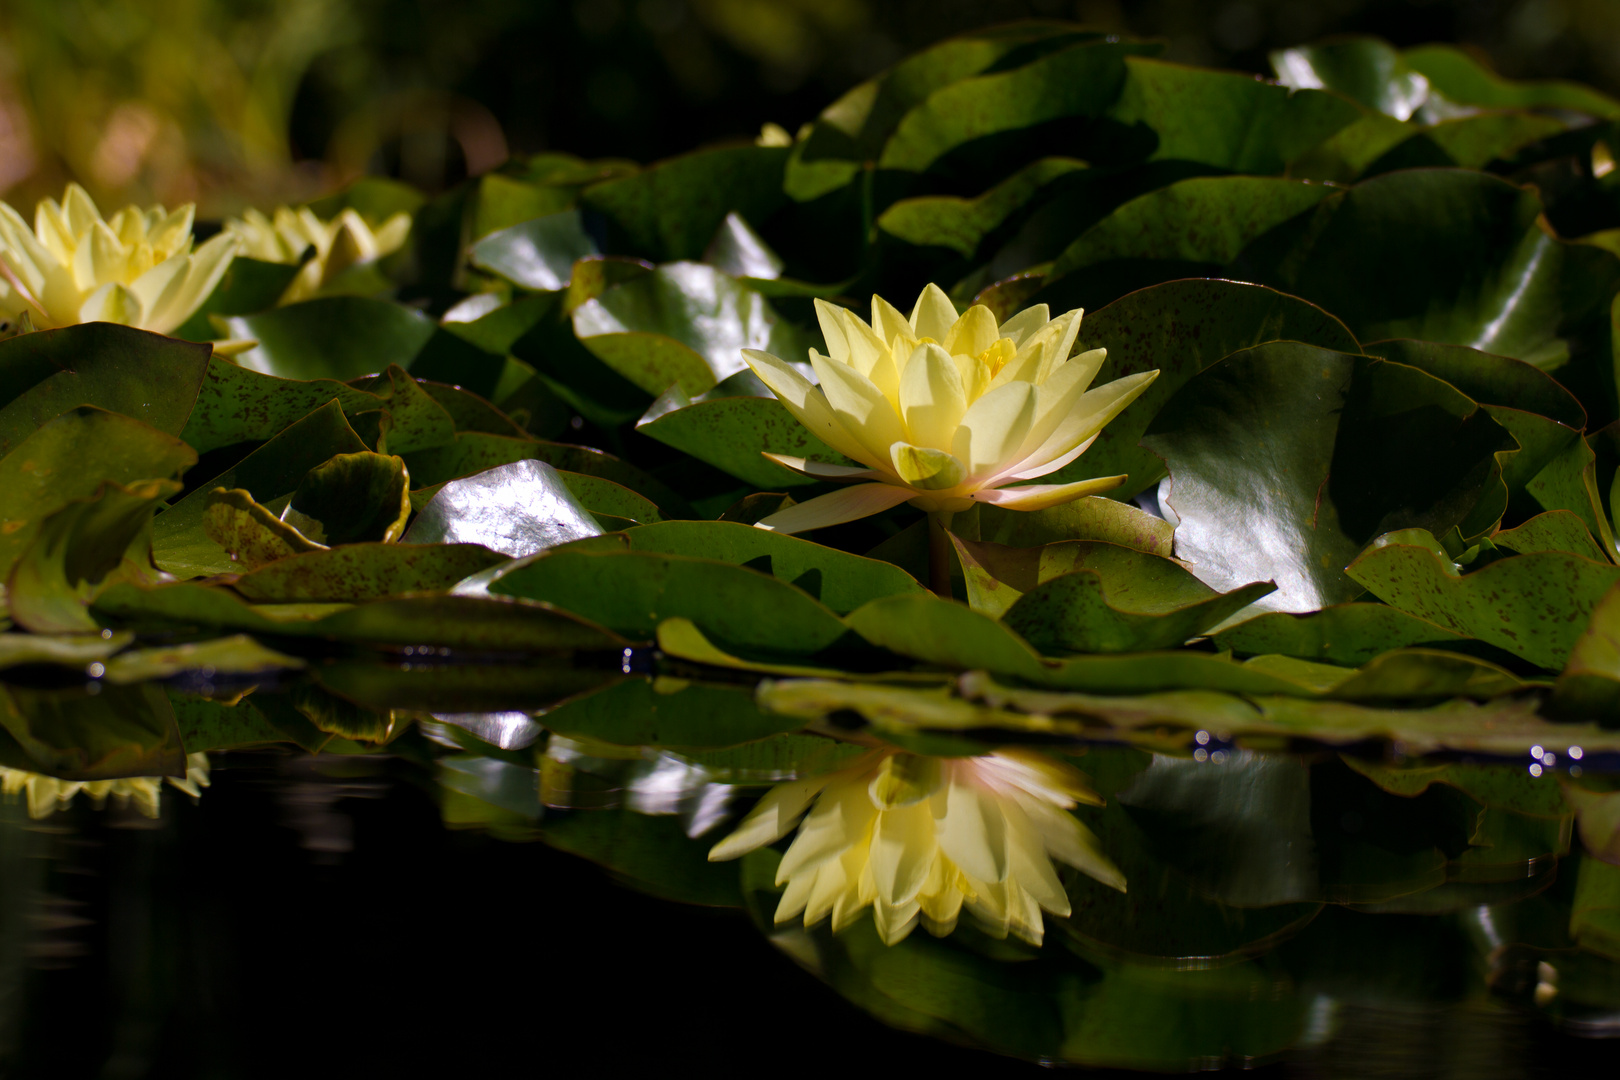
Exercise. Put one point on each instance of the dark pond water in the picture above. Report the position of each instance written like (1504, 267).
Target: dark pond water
(439, 910)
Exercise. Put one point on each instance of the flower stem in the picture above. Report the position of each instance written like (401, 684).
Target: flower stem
(939, 552)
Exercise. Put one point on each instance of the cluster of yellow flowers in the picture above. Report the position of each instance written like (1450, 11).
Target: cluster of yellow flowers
(141, 268)
(48, 794)
(339, 244)
(919, 838)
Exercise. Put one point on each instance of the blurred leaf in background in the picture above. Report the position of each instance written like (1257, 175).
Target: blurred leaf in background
(258, 103)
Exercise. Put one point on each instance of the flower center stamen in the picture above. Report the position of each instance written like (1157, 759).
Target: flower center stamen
(996, 356)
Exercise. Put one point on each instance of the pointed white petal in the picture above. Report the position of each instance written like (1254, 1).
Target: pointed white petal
(1041, 496)
(771, 818)
(836, 507)
(822, 471)
(807, 404)
(1086, 417)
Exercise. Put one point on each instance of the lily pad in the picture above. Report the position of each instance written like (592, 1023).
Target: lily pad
(334, 337)
(962, 224)
(666, 712)
(839, 580)
(237, 655)
(352, 499)
(1534, 606)
(517, 510)
(1189, 229)
(88, 545)
(1079, 81)
(632, 591)
(68, 458)
(275, 469)
(1090, 518)
(670, 210)
(1180, 328)
(121, 731)
(475, 452)
(365, 572)
(147, 376)
(1341, 634)
(1286, 459)
(685, 324)
(250, 534)
(537, 254)
(734, 433)
(237, 404)
(1083, 596)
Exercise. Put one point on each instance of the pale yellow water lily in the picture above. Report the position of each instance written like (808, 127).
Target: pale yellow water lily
(344, 241)
(944, 410)
(919, 838)
(48, 794)
(136, 267)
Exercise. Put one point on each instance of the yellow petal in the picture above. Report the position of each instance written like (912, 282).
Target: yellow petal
(1041, 496)
(856, 894)
(933, 315)
(932, 399)
(894, 922)
(842, 819)
(1084, 419)
(1025, 323)
(391, 234)
(971, 334)
(112, 303)
(79, 210)
(1028, 863)
(100, 258)
(925, 468)
(1043, 350)
(186, 292)
(794, 897)
(51, 230)
(150, 285)
(1068, 840)
(1056, 399)
(903, 850)
(821, 471)
(888, 323)
(860, 407)
(771, 819)
(835, 508)
(171, 234)
(994, 427)
(832, 330)
(807, 404)
(972, 832)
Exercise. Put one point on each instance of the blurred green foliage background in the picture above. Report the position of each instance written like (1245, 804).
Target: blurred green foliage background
(240, 102)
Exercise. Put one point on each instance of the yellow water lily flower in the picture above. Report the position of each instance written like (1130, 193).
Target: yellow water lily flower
(944, 410)
(48, 794)
(340, 243)
(919, 838)
(136, 267)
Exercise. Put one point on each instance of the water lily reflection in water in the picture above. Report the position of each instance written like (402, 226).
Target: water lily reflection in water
(918, 838)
